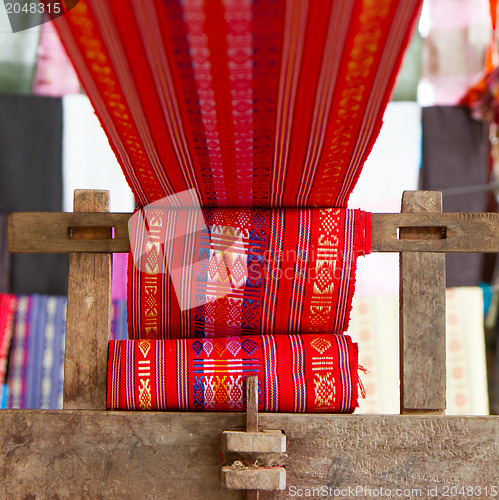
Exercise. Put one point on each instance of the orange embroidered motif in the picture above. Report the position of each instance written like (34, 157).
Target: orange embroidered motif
(221, 390)
(320, 344)
(325, 270)
(325, 390)
(145, 399)
(144, 347)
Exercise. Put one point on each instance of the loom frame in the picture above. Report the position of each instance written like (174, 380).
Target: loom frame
(88, 452)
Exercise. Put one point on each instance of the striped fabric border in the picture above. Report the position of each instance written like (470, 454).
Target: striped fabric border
(294, 38)
(298, 373)
(300, 276)
(181, 378)
(337, 32)
(129, 387)
(269, 300)
(160, 360)
(347, 388)
(7, 313)
(270, 366)
(347, 269)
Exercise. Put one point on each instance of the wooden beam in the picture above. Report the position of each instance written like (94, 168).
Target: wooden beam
(422, 314)
(88, 322)
(39, 232)
(99, 454)
(45, 232)
(457, 232)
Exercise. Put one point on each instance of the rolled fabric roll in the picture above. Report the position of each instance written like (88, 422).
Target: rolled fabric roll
(296, 373)
(221, 272)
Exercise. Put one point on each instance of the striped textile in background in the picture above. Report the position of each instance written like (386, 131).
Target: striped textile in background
(119, 326)
(36, 363)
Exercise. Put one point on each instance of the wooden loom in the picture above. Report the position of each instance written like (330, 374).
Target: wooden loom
(85, 451)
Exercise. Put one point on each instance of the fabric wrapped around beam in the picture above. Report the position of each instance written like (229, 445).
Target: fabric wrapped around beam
(297, 373)
(251, 103)
(223, 272)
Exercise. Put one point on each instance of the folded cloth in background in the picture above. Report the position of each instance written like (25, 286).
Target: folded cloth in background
(36, 365)
(456, 161)
(119, 327)
(375, 325)
(18, 51)
(54, 75)
(31, 180)
(222, 272)
(296, 373)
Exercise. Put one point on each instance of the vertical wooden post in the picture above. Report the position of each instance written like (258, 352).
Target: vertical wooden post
(88, 322)
(422, 315)
(252, 419)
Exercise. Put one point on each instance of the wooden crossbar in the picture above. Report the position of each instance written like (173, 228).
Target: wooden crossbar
(44, 232)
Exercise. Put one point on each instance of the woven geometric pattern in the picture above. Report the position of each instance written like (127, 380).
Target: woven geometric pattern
(253, 271)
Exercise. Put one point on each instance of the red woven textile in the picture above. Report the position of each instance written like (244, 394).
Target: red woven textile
(297, 373)
(250, 103)
(254, 271)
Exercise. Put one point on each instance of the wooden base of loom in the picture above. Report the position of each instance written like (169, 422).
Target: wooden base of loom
(85, 451)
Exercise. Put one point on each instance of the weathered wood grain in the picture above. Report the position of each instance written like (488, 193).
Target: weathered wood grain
(252, 404)
(40, 232)
(88, 320)
(46, 232)
(267, 441)
(463, 232)
(422, 315)
(98, 454)
(258, 480)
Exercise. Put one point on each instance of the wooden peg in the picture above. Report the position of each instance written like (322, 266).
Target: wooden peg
(252, 404)
(255, 447)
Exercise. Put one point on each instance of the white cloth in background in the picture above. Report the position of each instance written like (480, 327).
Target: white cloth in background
(392, 168)
(88, 160)
(374, 325)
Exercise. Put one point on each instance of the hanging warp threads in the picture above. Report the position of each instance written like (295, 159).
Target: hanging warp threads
(250, 103)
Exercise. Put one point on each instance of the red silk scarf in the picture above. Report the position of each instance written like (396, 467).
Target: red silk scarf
(261, 103)
(253, 271)
(297, 373)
